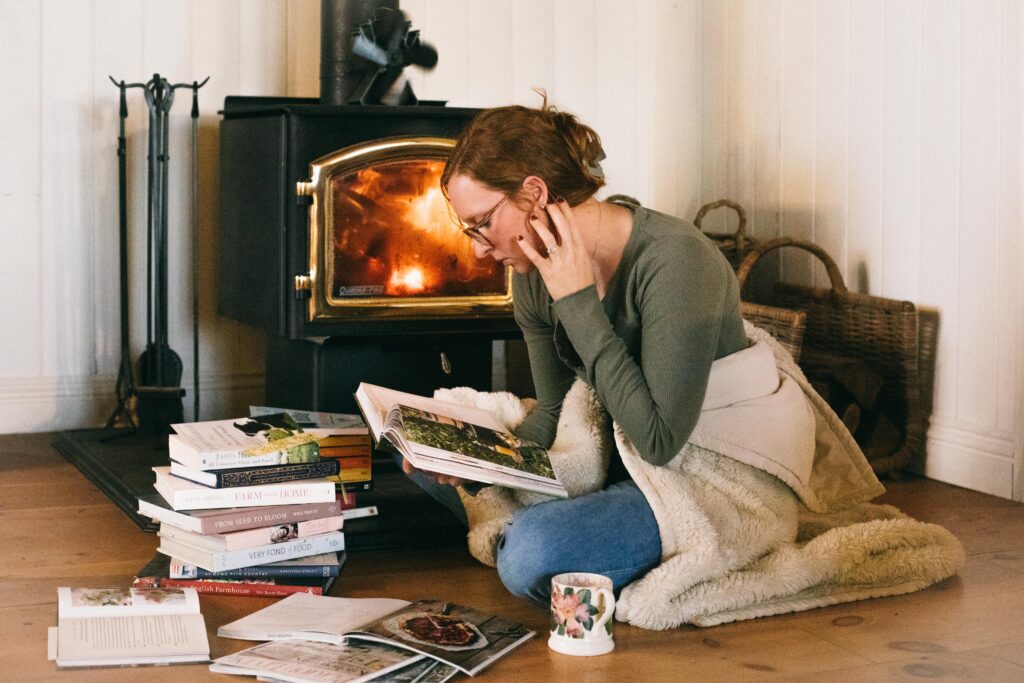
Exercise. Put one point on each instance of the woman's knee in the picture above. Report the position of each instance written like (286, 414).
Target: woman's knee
(527, 556)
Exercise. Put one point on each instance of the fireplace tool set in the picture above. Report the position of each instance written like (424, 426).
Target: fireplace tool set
(157, 392)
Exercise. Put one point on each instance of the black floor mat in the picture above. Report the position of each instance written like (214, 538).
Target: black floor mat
(119, 462)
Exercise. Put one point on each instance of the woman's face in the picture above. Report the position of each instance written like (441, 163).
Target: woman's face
(495, 219)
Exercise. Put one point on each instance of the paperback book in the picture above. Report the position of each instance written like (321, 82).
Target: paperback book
(252, 538)
(157, 574)
(226, 520)
(456, 440)
(174, 545)
(182, 494)
(319, 423)
(128, 627)
(245, 442)
(257, 476)
(454, 635)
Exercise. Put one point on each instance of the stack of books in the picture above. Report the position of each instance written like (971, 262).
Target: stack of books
(341, 437)
(247, 507)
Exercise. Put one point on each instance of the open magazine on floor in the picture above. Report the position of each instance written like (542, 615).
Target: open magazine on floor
(459, 441)
(386, 635)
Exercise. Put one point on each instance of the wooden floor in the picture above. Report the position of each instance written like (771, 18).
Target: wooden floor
(56, 529)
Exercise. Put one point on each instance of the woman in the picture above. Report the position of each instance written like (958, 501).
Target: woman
(636, 303)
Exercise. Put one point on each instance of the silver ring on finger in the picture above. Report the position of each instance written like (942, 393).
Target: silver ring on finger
(552, 249)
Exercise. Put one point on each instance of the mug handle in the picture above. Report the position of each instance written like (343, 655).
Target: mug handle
(609, 611)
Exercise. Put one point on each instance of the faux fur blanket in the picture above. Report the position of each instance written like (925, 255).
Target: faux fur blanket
(749, 528)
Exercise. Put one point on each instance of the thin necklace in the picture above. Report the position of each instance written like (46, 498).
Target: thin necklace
(597, 240)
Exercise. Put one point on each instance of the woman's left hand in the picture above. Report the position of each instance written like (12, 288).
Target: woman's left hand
(566, 268)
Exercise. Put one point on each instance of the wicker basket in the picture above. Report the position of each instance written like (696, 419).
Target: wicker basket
(788, 327)
(883, 333)
(735, 245)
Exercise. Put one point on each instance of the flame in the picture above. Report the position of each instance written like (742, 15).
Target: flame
(407, 281)
(394, 234)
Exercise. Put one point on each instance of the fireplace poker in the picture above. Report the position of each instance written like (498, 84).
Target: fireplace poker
(125, 386)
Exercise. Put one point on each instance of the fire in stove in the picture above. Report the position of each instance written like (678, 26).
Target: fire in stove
(383, 242)
(394, 236)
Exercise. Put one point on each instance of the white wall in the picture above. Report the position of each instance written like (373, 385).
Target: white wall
(889, 132)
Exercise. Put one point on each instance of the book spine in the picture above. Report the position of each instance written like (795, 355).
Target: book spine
(303, 547)
(256, 590)
(200, 499)
(256, 537)
(345, 451)
(311, 571)
(277, 475)
(240, 520)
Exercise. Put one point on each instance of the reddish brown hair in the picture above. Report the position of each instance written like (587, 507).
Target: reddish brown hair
(502, 146)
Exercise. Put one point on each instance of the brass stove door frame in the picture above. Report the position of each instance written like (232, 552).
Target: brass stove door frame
(323, 305)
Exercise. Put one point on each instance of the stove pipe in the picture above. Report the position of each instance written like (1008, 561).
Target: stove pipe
(341, 70)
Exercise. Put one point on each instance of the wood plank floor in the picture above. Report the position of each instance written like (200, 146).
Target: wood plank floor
(56, 529)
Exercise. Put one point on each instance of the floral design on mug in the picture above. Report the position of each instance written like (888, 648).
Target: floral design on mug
(572, 614)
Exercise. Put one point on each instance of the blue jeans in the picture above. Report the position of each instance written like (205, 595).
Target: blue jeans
(611, 532)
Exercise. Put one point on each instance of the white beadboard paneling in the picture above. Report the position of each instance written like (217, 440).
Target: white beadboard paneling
(445, 25)
(831, 131)
(901, 140)
(67, 277)
(864, 236)
(21, 289)
(978, 371)
(1009, 237)
(490, 51)
(262, 47)
(575, 74)
(765, 213)
(798, 122)
(303, 42)
(714, 73)
(940, 187)
(613, 119)
(742, 108)
(533, 45)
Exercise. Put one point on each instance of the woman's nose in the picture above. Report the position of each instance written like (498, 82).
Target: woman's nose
(480, 250)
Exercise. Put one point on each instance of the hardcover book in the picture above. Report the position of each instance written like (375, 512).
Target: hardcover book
(319, 423)
(157, 574)
(454, 635)
(252, 538)
(456, 440)
(313, 566)
(182, 494)
(226, 520)
(173, 545)
(255, 476)
(128, 627)
(244, 442)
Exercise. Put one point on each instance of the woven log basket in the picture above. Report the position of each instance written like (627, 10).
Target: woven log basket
(883, 333)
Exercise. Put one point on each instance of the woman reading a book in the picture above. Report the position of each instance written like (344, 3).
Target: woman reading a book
(636, 303)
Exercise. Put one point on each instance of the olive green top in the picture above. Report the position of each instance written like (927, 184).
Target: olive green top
(671, 308)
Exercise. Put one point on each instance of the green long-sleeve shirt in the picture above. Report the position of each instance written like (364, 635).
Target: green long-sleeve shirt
(671, 308)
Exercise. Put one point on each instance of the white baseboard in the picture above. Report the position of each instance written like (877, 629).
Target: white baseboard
(47, 404)
(959, 455)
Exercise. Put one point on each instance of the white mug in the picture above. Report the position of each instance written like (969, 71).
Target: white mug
(582, 611)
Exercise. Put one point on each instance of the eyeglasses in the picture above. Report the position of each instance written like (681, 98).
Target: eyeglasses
(473, 231)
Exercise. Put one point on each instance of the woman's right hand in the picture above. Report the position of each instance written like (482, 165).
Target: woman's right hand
(408, 468)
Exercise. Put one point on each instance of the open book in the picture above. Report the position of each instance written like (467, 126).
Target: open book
(456, 440)
(456, 636)
(128, 627)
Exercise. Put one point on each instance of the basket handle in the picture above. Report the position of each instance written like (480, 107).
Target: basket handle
(741, 230)
(762, 248)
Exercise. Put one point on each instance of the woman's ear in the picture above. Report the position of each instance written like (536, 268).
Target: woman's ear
(537, 190)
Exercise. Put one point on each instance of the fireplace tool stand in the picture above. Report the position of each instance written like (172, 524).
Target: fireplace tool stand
(158, 392)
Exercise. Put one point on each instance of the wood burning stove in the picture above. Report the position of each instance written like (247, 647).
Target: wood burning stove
(334, 238)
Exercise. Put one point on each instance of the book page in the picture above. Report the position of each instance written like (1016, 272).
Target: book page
(460, 636)
(377, 402)
(291, 660)
(312, 617)
(113, 602)
(113, 638)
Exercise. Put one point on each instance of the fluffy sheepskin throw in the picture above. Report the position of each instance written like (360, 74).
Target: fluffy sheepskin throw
(746, 530)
